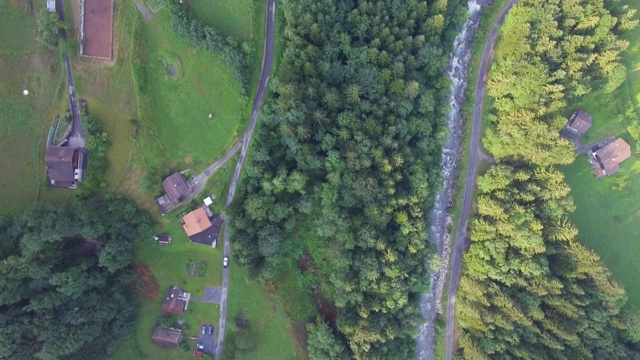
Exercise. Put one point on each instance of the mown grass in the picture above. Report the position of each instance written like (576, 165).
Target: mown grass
(230, 17)
(24, 64)
(608, 210)
(11, 18)
(266, 318)
(169, 266)
(181, 105)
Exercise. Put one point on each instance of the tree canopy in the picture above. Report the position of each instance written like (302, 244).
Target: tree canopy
(347, 161)
(64, 277)
(49, 28)
(530, 289)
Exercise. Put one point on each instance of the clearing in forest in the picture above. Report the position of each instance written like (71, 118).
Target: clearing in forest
(608, 210)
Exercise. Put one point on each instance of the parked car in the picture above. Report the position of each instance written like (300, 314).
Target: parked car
(210, 329)
(200, 346)
(225, 262)
(204, 329)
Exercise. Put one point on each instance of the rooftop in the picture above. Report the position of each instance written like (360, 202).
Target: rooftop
(168, 337)
(580, 121)
(176, 187)
(176, 301)
(65, 165)
(610, 156)
(196, 222)
(209, 236)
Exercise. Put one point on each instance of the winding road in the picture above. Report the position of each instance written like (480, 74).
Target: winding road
(475, 158)
(265, 73)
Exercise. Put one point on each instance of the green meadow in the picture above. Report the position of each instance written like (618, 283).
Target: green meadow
(24, 64)
(608, 210)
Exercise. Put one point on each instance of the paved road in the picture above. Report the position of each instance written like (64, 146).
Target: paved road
(223, 299)
(76, 136)
(200, 180)
(265, 72)
(476, 156)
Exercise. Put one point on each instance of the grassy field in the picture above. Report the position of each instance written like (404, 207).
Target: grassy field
(608, 210)
(230, 17)
(181, 104)
(24, 64)
(266, 318)
(169, 266)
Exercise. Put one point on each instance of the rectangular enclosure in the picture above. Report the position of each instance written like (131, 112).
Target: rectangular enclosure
(96, 27)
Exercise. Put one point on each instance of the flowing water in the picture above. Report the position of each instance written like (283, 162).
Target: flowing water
(440, 218)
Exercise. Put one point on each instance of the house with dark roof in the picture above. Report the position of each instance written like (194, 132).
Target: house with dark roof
(579, 122)
(609, 157)
(176, 188)
(202, 229)
(176, 301)
(168, 337)
(66, 166)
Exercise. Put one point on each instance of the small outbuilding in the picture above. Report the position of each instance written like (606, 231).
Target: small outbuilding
(176, 301)
(163, 239)
(168, 337)
(579, 122)
(609, 157)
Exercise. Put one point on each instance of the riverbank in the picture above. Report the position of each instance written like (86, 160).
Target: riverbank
(441, 220)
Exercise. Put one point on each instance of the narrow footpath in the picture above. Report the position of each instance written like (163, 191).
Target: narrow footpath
(462, 239)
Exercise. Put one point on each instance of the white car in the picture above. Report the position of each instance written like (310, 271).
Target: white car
(225, 262)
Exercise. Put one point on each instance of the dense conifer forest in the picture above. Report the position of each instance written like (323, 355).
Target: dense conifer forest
(530, 289)
(65, 279)
(346, 163)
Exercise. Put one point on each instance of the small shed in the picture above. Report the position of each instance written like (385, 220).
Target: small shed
(207, 201)
(164, 239)
(580, 121)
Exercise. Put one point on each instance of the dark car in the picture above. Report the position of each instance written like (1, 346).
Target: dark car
(210, 330)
